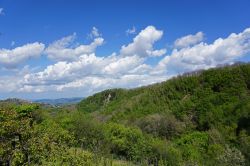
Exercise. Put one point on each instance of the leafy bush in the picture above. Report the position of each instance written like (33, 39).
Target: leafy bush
(127, 142)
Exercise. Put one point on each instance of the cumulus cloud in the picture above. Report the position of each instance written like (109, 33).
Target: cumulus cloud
(64, 49)
(142, 44)
(156, 52)
(189, 40)
(78, 70)
(131, 31)
(9, 83)
(66, 74)
(102, 83)
(86, 66)
(11, 58)
(203, 55)
(94, 33)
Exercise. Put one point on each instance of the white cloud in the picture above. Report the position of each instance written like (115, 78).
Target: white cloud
(189, 40)
(203, 55)
(91, 85)
(122, 65)
(13, 81)
(86, 66)
(79, 71)
(1, 11)
(142, 44)
(131, 31)
(9, 83)
(64, 50)
(11, 58)
(95, 32)
(156, 52)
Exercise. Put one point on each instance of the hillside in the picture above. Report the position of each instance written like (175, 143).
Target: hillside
(214, 102)
(188, 95)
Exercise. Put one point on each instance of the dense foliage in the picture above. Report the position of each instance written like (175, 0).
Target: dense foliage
(200, 118)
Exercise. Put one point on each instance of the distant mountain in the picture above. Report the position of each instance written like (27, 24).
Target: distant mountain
(15, 101)
(60, 101)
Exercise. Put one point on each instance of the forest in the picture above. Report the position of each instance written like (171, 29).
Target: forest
(198, 118)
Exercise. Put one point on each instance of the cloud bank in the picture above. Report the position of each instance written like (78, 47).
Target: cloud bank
(76, 67)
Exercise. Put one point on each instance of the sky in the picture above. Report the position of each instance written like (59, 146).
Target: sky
(73, 48)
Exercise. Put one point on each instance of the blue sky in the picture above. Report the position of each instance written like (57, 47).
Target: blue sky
(35, 64)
